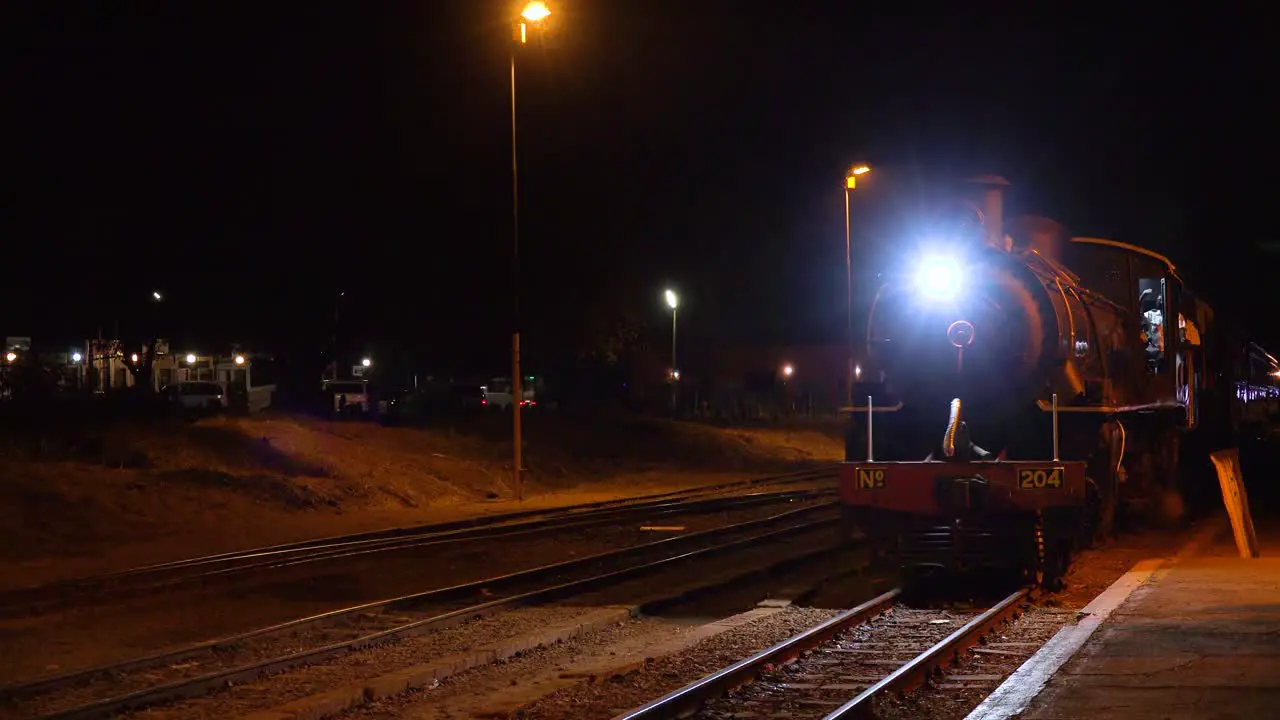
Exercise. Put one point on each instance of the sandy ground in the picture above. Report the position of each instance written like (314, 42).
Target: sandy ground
(233, 483)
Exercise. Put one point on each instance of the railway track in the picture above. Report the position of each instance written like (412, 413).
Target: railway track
(839, 669)
(213, 568)
(196, 670)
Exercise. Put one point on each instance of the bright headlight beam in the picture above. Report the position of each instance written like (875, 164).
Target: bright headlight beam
(938, 278)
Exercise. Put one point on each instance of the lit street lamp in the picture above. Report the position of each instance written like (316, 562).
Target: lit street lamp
(76, 357)
(191, 358)
(535, 12)
(673, 302)
(156, 294)
(532, 14)
(11, 356)
(239, 359)
(366, 362)
(788, 370)
(850, 184)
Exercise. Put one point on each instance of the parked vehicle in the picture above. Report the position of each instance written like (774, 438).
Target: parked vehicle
(498, 395)
(197, 395)
(349, 397)
(415, 406)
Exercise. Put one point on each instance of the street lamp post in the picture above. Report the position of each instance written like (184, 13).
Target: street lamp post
(532, 14)
(674, 303)
(850, 184)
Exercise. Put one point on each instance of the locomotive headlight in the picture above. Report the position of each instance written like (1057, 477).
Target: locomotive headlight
(939, 278)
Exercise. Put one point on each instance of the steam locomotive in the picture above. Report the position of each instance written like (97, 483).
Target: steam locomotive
(1023, 387)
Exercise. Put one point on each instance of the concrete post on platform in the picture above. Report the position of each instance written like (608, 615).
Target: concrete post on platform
(1231, 479)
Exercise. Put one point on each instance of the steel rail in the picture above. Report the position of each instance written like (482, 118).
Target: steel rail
(455, 528)
(405, 601)
(918, 670)
(339, 551)
(193, 687)
(687, 700)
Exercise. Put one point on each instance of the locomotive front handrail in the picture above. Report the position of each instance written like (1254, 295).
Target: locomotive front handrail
(1047, 406)
(871, 408)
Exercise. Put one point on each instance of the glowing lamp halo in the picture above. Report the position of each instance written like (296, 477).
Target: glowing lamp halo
(938, 278)
(535, 12)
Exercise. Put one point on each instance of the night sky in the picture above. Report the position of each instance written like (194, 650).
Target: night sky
(252, 160)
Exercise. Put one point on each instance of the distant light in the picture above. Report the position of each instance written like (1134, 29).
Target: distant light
(239, 359)
(672, 300)
(860, 170)
(11, 356)
(857, 372)
(535, 12)
(675, 374)
(76, 357)
(788, 370)
(156, 294)
(366, 362)
(133, 357)
(191, 357)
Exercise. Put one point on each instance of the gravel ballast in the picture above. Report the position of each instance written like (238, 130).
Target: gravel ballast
(661, 675)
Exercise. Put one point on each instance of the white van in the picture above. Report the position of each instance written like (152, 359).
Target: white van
(197, 395)
(497, 394)
(349, 396)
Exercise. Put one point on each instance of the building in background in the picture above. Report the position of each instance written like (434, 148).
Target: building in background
(247, 378)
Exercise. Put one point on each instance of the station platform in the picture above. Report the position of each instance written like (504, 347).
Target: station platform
(1196, 636)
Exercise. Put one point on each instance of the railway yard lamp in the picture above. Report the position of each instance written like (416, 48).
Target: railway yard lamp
(850, 184)
(533, 13)
(673, 302)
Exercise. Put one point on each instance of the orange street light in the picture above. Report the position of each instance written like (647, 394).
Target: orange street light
(850, 183)
(851, 177)
(535, 12)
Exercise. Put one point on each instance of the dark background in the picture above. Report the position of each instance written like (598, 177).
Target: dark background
(251, 160)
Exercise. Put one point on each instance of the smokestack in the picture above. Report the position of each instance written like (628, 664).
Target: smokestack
(992, 206)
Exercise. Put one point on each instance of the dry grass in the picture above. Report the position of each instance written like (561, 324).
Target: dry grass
(185, 489)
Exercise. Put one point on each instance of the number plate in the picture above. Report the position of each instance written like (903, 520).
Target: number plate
(1040, 478)
(870, 478)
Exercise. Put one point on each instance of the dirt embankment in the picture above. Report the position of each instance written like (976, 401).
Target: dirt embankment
(135, 496)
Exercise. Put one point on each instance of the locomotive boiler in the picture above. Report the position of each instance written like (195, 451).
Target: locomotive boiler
(1027, 386)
